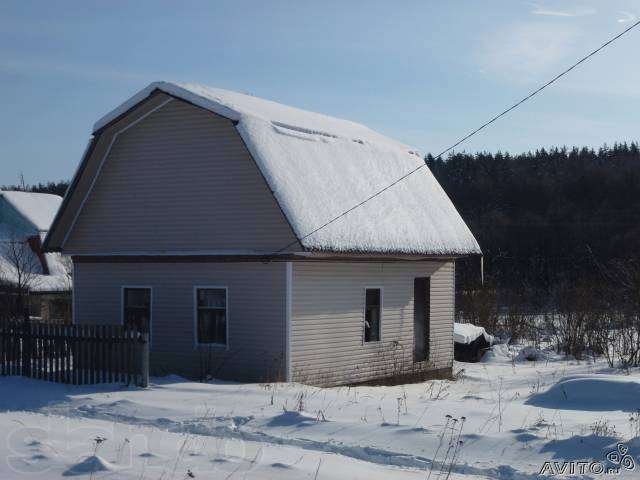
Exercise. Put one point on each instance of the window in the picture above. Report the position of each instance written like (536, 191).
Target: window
(137, 307)
(60, 309)
(373, 298)
(211, 316)
(421, 318)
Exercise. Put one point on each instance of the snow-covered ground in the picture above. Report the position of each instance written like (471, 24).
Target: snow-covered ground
(510, 415)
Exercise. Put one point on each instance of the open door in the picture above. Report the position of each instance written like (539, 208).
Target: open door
(421, 317)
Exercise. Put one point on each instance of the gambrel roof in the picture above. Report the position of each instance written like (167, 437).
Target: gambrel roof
(319, 166)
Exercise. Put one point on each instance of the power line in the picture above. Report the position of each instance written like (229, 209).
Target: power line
(467, 136)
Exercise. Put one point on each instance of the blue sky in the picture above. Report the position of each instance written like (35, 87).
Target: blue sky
(425, 72)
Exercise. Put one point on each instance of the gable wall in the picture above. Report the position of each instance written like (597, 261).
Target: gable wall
(86, 172)
(180, 180)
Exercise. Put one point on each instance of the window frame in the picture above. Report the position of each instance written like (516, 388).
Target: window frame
(364, 315)
(196, 343)
(122, 305)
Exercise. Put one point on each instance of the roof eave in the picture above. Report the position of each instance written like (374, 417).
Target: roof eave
(81, 167)
(317, 252)
(65, 200)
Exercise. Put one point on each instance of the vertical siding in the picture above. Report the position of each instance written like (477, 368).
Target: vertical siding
(256, 313)
(179, 180)
(328, 312)
(89, 166)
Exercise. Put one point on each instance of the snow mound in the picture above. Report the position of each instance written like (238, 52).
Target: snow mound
(504, 353)
(498, 353)
(467, 333)
(91, 464)
(591, 392)
(319, 167)
(531, 354)
(292, 419)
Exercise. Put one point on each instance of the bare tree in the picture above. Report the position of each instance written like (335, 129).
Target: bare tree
(624, 277)
(19, 273)
(67, 264)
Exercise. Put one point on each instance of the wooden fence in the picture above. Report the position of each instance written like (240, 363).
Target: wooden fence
(74, 354)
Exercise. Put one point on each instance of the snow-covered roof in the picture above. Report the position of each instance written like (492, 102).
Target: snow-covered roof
(319, 166)
(466, 333)
(38, 208)
(58, 279)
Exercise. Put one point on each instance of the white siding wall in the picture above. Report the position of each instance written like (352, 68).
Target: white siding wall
(179, 180)
(328, 314)
(256, 313)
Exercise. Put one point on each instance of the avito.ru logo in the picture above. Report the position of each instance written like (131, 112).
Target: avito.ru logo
(616, 459)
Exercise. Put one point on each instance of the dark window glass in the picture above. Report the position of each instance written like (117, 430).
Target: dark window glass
(372, 315)
(212, 315)
(137, 308)
(60, 309)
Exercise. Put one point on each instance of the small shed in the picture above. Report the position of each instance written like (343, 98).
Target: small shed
(470, 342)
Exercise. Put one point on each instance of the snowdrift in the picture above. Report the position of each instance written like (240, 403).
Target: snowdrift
(591, 392)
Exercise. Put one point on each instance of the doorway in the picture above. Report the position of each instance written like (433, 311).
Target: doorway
(421, 318)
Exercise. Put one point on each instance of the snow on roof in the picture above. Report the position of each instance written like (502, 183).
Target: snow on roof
(319, 166)
(58, 279)
(37, 208)
(466, 333)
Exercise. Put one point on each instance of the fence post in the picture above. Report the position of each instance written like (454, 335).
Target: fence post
(25, 359)
(143, 360)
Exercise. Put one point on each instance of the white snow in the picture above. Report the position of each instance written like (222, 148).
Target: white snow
(517, 415)
(319, 166)
(58, 279)
(466, 333)
(91, 465)
(587, 392)
(37, 208)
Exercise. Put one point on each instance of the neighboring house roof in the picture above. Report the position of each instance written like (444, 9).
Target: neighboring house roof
(38, 211)
(58, 280)
(319, 166)
(37, 208)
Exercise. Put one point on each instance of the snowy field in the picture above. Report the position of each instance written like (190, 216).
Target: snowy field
(501, 419)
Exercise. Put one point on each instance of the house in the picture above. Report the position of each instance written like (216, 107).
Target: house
(205, 216)
(25, 218)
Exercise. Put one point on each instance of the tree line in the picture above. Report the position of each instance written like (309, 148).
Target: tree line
(560, 233)
(56, 188)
